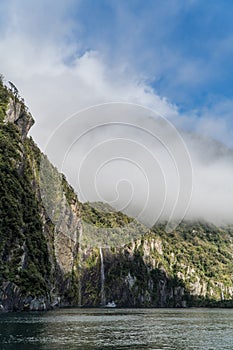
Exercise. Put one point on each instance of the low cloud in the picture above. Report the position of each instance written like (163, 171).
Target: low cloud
(58, 79)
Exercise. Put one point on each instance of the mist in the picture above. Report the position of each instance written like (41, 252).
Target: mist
(151, 167)
(138, 162)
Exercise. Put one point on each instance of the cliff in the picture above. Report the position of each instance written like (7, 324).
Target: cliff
(192, 266)
(50, 245)
(36, 256)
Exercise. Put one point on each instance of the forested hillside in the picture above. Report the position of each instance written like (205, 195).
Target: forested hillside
(88, 253)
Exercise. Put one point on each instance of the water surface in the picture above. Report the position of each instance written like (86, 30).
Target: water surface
(88, 329)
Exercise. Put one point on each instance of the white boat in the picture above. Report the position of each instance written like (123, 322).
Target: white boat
(110, 304)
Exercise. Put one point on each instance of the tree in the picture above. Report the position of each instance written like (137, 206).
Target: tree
(14, 90)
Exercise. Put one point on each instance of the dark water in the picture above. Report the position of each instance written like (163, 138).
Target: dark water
(182, 329)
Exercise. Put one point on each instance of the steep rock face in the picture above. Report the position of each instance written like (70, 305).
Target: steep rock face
(49, 241)
(190, 267)
(130, 282)
(37, 255)
(16, 113)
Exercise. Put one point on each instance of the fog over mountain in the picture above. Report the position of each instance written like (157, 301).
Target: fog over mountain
(62, 65)
(138, 162)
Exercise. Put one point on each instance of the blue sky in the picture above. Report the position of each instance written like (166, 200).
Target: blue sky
(173, 53)
(183, 48)
(172, 56)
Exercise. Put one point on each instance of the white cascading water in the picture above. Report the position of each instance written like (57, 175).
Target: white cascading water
(102, 293)
(80, 267)
(80, 283)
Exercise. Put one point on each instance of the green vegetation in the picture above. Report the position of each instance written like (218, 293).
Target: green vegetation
(142, 267)
(201, 246)
(102, 215)
(103, 226)
(20, 223)
(191, 266)
(201, 255)
(4, 96)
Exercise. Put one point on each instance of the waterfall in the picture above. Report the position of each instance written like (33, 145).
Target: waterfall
(80, 281)
(80, 267)
(102, 293)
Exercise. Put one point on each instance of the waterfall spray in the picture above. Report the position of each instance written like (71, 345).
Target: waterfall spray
(80, 266)
(102, 293)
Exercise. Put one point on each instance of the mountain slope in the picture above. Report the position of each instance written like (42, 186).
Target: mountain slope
(191, 266)
(50, 244)
(33, 271)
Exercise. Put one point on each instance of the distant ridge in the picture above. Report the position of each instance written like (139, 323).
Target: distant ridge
(48, 262)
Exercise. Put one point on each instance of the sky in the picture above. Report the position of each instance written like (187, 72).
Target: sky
(180, 51)
(173, 57)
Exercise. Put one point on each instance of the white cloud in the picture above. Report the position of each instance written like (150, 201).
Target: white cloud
(58, 80)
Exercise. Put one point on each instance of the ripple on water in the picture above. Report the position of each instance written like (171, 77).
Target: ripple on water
(86, 329)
